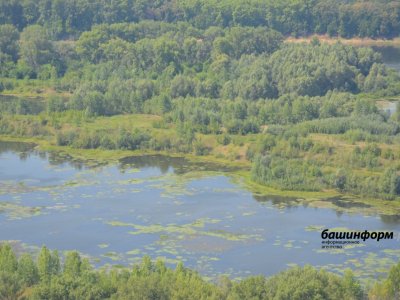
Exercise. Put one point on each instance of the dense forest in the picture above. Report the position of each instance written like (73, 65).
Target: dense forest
(72, 277)
(236, 87)
(212, 79)
(346, 18)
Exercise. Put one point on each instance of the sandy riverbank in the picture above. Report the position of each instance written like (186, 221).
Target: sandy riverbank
(352, 41)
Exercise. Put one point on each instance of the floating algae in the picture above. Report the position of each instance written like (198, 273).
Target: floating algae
(315, 228)
(16, 212)
(190, 229)
(10, 187)
(134, 252)
(134, 181)
(249, 213)
(114, 256)
(180, 213)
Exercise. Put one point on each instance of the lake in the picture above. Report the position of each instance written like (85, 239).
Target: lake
(390, 56)
(180, 211)
(21, 105)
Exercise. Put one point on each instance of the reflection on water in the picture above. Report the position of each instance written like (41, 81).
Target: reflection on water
(390, 56)
(389, 107)
(177, 165)
(162, 207)
(390, 219)
(343, 203)
(26, 150)
(15, 147)
(21, 105)
(163, 163)
(279, 201)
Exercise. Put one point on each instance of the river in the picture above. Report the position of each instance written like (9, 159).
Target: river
(390, 56)
(180, 211)
(171, 208)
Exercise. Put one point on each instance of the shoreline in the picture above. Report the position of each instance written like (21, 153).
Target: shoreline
(352, 41)
(240, 176)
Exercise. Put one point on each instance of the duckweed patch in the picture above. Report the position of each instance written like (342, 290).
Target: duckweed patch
(190, 229)
(315, 228)
(114, 256)
(182, 213)
(16, 212)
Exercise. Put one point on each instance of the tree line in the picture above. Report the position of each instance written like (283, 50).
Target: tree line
(71, 276)
(229, 81)
(65, 19)
(136, 68)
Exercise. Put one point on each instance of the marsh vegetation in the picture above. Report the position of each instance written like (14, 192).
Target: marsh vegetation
(106, 91)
